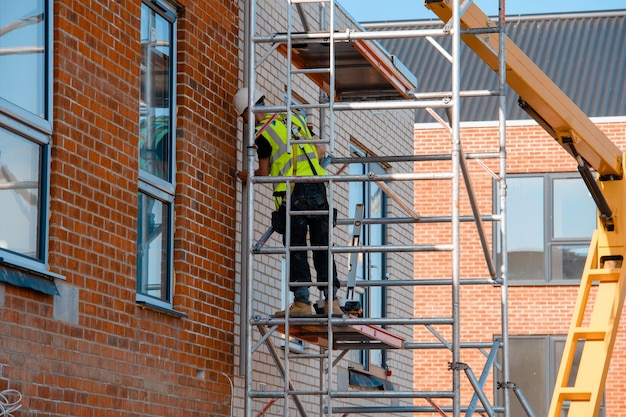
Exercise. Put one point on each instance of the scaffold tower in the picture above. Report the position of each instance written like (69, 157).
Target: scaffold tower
(292, 47)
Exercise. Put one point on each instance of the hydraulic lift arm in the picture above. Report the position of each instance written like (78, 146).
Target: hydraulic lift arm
(596, 316)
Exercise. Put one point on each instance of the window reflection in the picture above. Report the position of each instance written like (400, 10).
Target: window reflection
(20, 162)
(525, 228)
(568, 261)
(22, 58)
(25, 62)
(574, 209)
(156, 156)
(550, 219)
(156, 103)
(152, 270)
(153, 145)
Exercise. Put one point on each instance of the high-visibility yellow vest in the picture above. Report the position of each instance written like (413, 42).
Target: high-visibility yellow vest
(281, 160)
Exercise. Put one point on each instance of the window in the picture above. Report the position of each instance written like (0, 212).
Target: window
(156, 156)
(25, 131)
(25, 45)
(549, 219)
(533, 366)
(371, 266)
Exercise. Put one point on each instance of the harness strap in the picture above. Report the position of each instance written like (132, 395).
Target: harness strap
(258, 132)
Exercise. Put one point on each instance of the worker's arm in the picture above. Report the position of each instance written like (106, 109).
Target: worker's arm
(264, 151)
(264, 168)
(320, 148)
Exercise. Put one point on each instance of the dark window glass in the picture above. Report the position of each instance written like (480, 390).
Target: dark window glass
(534, 363)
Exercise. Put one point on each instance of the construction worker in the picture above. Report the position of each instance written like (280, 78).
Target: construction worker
(276, 160)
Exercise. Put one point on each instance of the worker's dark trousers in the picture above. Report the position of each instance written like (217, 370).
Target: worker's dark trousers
(309, 197)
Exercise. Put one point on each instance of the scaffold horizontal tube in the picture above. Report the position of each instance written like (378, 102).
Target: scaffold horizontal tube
(407, 158)
(381, 321)
(407, 282)
(402, 220)
(463, 94)
(423, 282)
(392, 394)
(311, 71)
(347, 35)
(354, 178)
(392, 248)
(364, 105)
(433, 345)
(353, 35)
(356, 394)
(401, 409)
(359, 249)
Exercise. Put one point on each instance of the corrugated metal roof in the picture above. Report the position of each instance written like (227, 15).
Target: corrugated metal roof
(583, 53)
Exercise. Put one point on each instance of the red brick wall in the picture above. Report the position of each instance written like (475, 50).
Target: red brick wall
(536, 310)
(120, 358)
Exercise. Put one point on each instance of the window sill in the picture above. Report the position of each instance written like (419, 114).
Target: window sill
(164, 310)
(364, 380)
(38, 280)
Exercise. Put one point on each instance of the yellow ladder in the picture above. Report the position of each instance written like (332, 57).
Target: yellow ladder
(594, 325)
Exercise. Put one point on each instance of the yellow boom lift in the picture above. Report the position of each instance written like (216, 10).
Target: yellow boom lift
(601, 295)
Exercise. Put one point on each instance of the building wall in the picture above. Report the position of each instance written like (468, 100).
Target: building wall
(93, 351)
(533, 310)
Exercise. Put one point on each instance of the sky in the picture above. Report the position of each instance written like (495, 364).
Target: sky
(377, 10)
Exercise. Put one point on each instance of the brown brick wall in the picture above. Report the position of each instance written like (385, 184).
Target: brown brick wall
(119, 358)
(537, 310)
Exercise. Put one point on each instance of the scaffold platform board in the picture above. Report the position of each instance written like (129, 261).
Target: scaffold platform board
(346, 336)
(363, 70)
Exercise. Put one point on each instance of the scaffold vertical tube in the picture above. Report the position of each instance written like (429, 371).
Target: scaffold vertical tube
(456, 143)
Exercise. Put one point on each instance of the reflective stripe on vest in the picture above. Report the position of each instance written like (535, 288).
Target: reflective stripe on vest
(281, 159)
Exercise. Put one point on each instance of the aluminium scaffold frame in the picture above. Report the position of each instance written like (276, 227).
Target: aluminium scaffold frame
(345, 333)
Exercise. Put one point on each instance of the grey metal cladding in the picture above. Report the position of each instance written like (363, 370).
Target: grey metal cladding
(583, 53)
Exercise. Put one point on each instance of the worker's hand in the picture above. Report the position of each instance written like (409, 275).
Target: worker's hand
(325, 160)
(242, 175)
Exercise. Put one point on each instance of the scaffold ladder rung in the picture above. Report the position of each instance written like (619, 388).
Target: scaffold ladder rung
(592, 336)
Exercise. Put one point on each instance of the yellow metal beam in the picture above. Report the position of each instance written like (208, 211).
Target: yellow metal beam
(593, 329)
(567, 120)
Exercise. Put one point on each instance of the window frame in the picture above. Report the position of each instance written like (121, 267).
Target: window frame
(549, 240)
(38, 130)
(151, 185)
